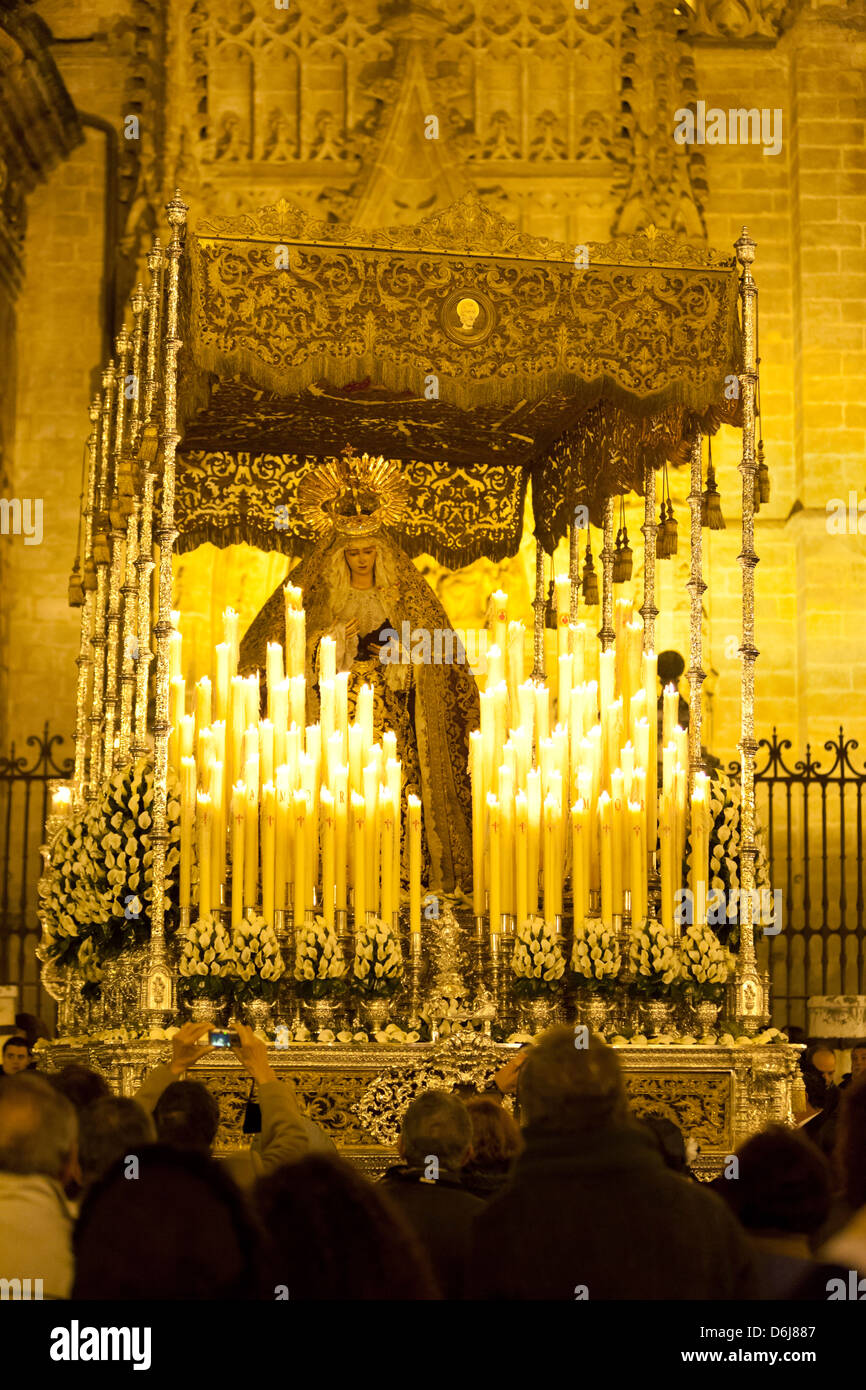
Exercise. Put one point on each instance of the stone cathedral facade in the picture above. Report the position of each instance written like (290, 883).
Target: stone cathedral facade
(558, 115)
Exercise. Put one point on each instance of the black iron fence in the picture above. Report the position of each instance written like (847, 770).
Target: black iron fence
(811, 815)
(25, 786)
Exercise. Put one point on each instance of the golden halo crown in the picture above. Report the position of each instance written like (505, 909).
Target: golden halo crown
(352, 496)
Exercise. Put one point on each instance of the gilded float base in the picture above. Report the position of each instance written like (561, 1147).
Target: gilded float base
(357, 1092)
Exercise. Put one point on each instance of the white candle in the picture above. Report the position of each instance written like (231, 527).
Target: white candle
(341, 835)
(495, 904)
(274, 668)
(187, 827)
(413, 808)
(359, 826)
(268, 835)
(328, 818)
(203, 703)
(203, 836)
(232, 637)
(299, 814)
(298, 700)
(387, 860)
(238, 829)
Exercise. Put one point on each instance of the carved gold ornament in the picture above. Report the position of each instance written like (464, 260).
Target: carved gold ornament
(352, 496)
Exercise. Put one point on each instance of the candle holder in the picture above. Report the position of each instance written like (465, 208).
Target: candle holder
(480, 923)
(185, 918)
(310, 917)
(557, 923)
(415, 971)
(507, 924)
(594, 902)
(341, 921)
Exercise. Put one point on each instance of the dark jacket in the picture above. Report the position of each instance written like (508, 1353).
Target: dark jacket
(442, 1214)
(486, 1181)
(599, 1209)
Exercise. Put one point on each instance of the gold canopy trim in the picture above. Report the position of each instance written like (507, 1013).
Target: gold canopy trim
(460, 343)
(283, 301)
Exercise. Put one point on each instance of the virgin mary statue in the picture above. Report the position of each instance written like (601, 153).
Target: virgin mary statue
(362, 589)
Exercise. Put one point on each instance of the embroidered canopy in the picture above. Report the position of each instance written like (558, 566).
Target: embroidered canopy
(479, 356)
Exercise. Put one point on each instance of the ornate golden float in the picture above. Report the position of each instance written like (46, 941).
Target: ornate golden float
(486, 359)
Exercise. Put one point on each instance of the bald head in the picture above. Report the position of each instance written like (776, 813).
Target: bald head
(38, 1128)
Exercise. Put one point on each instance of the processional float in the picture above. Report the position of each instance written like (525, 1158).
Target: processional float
(496, 358)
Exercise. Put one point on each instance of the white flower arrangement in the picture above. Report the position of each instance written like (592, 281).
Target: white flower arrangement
(260, 964)
(654, 959)
(538, 961)
(378, 963)
(208, 958)
(320, 965)
(98, 882)
(724, 850)
(706, 965)
(596, 953)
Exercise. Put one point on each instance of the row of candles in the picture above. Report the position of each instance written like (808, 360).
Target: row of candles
(299, 813)
(593, 771)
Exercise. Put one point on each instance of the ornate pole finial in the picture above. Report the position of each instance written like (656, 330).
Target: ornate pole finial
(176, 210)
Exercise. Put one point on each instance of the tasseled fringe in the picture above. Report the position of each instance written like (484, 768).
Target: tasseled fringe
(711, 503)
(623, 557)
(76, 588)
(589, 583)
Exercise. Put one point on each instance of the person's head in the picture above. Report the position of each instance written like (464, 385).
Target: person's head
(496, 1136)
(111, 1128)
(179, 1231)
(187, 1116)
(80, 1085)
(817, 1090)
(436, 1126)
(361, 559)
(670, 667)
(38, 1129)
(16, 1056)
(823, 1059)
(782, 1184)
(669, 1138)
(330, 1234)
(858, 1059)
(569, 1087)
(850, 1155)
(30, 1027)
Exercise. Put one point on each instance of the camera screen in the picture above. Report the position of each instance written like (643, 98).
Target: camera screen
(219, 1037)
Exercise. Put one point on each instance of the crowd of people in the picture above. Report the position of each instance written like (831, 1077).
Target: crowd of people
(106, 1197)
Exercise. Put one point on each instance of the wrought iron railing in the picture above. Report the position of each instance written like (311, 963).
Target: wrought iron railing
(812, 817)
(25, 787)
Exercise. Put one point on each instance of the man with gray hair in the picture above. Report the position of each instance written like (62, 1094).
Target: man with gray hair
(591, 1211)
(38, 1157)
(435, 1143)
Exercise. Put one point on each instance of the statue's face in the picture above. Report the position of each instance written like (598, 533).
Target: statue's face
(361, 559)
